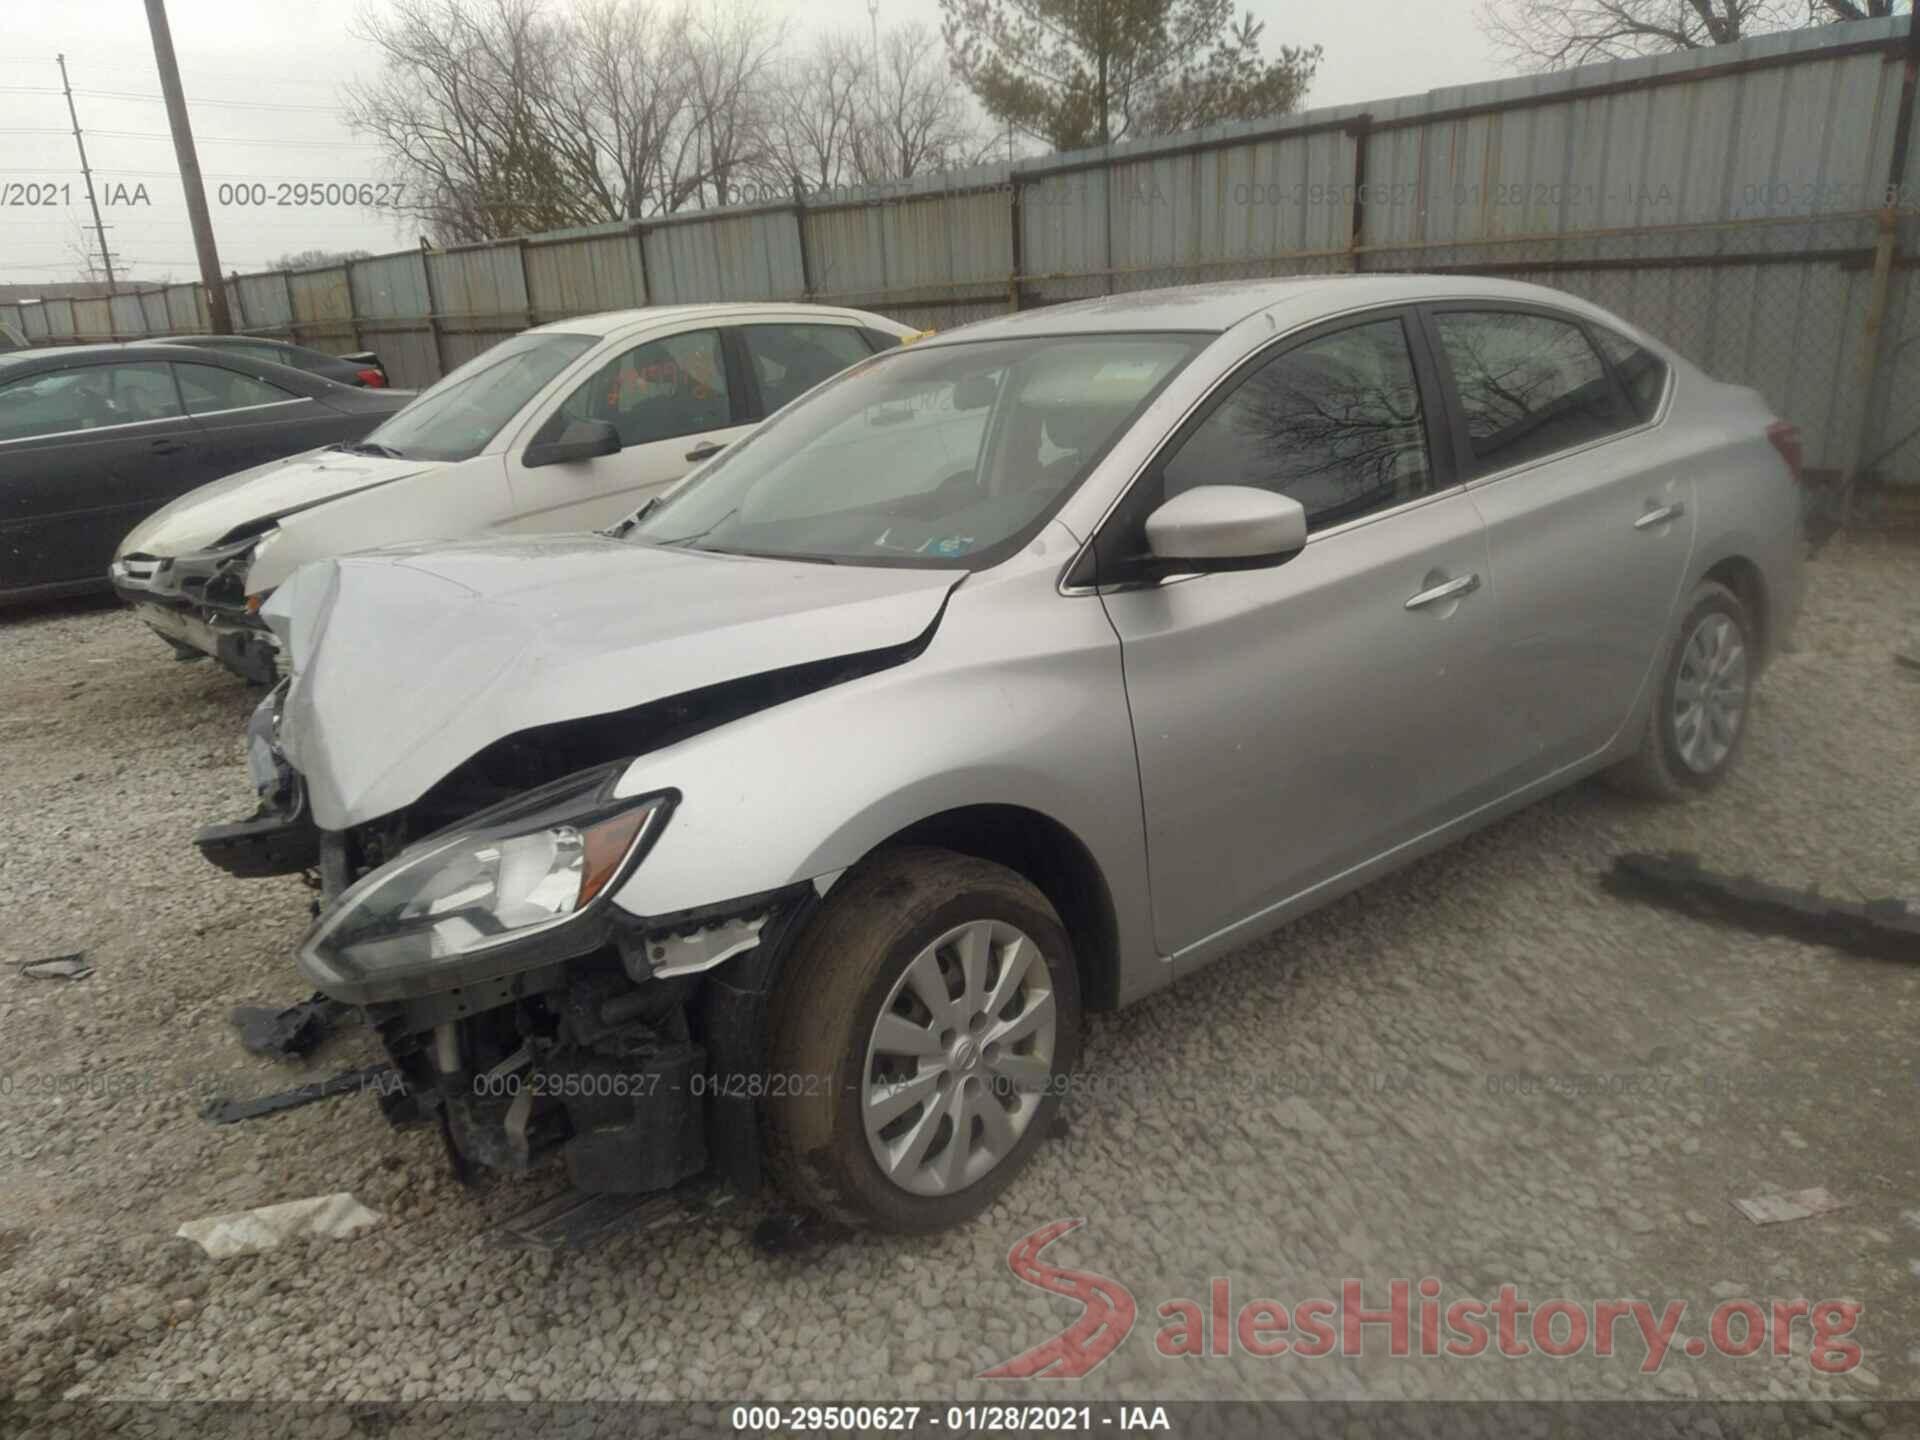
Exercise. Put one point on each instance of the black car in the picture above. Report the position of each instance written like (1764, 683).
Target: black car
(94, 438)
(362, 367)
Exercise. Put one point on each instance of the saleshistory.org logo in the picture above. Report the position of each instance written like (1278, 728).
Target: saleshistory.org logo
(1414, 1321)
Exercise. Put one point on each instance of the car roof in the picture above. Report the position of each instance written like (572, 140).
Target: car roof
(55, 357)
(607, 322)
(215, 340)
(1219, 306)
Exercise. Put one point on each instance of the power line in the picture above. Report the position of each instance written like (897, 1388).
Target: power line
(199, 139)
(161, 99)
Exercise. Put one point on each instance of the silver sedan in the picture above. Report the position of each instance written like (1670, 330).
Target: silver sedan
(791, 827)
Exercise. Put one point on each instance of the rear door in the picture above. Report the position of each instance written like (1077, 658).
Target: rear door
(247, 419)
(786, 360)
(673, 401)
(1589, 532)
(86, 453)
(1293, 722)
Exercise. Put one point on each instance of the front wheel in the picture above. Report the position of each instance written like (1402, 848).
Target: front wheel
(923, 1029)
(1699, 714)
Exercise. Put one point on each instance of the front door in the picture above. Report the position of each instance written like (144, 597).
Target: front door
(1295, 721)
(673, 405)
(86, 453)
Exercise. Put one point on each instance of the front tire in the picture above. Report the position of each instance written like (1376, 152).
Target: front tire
(1698, 719)
(920, 1037)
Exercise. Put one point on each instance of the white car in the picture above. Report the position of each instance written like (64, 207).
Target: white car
(570, 426)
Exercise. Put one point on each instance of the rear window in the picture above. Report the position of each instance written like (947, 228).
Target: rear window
(1529, 385)
(1641, 371)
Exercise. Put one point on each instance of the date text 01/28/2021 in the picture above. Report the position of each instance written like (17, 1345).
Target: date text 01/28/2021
(960, 1419)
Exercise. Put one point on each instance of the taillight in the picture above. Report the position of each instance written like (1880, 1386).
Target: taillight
(1785, 438)
(376, 378)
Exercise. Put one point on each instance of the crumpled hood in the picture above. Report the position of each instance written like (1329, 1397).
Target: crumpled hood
(200, 518)
(408, 661)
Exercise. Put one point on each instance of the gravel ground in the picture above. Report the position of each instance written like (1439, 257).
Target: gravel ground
(1333, 1103)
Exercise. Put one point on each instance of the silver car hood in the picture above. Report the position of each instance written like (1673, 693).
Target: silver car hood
(408, 661)
(201, 517)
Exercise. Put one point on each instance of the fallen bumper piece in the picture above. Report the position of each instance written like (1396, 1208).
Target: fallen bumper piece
(1888, 929)
(578, 1221)
(248, 1232)
(290, 1033)
(382, 1080)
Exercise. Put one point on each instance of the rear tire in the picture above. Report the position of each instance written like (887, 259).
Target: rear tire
(930, 986)
(1698, 720)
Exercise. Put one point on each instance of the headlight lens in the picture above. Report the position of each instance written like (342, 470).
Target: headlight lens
(506, 875)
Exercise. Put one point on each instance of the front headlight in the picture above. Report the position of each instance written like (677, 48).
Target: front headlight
(501, 892)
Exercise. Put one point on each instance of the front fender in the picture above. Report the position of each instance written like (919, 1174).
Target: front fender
(1018, 700)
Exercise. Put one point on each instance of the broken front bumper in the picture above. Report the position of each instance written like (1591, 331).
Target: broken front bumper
(197, 604)
(279, 838)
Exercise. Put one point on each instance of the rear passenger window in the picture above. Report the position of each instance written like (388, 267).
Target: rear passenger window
(209, 388)
(1640, 370)
(1335, 423)
(789, 360)
(1529, 385)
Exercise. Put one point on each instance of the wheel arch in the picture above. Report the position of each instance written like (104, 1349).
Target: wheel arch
(1744, 577)
(1057, 862)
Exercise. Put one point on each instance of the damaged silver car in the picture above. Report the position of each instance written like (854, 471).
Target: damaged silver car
(791, 829)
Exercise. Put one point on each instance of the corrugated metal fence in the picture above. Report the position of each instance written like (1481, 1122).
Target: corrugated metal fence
(1728, 200)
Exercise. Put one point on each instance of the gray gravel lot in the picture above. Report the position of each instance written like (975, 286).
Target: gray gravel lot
(1333, 1103)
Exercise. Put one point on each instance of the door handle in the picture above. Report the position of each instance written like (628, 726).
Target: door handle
(705, 450)
(1449, 590)
(1660, 516)
(168, 447)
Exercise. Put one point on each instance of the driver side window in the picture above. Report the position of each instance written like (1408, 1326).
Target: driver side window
(658, 391)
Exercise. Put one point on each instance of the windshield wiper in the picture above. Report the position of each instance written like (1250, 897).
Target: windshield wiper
(616, 531)
(688, 539)
(368, 447)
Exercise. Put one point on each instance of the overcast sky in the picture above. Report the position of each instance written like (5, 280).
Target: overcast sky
(263, 79)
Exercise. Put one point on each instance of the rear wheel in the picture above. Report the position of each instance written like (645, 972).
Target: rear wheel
(919, 1040)
(1699, 714)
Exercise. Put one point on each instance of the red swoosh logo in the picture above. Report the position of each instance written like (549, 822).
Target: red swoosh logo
(1107, 1316)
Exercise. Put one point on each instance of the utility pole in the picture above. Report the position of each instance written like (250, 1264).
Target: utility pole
(196, 192)
(86, 174)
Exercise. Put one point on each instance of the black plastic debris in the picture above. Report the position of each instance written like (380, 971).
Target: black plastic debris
(1887, 929)
(58, 967)
(574, 1220)
(290, 1033)
(794, 1233)
(380, 1079)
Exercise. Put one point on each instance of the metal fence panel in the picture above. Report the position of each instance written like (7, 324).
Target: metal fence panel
(582, 276)
(753, 256)
(266, 305)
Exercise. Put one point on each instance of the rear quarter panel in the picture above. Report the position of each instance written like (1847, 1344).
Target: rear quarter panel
(1748, 505)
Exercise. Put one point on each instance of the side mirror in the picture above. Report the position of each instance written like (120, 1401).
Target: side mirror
(1226, 527)
(580, 440)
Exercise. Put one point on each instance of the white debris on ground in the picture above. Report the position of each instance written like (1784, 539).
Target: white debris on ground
(1482, 1070)
(248, 1232)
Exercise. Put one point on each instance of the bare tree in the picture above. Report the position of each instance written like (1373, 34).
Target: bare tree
(732, 64)
(503, 117)
(1557, 34)
(622, 106)
(817, 109)
(917, 117)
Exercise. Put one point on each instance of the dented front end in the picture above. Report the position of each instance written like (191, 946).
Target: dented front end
(474, 923)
